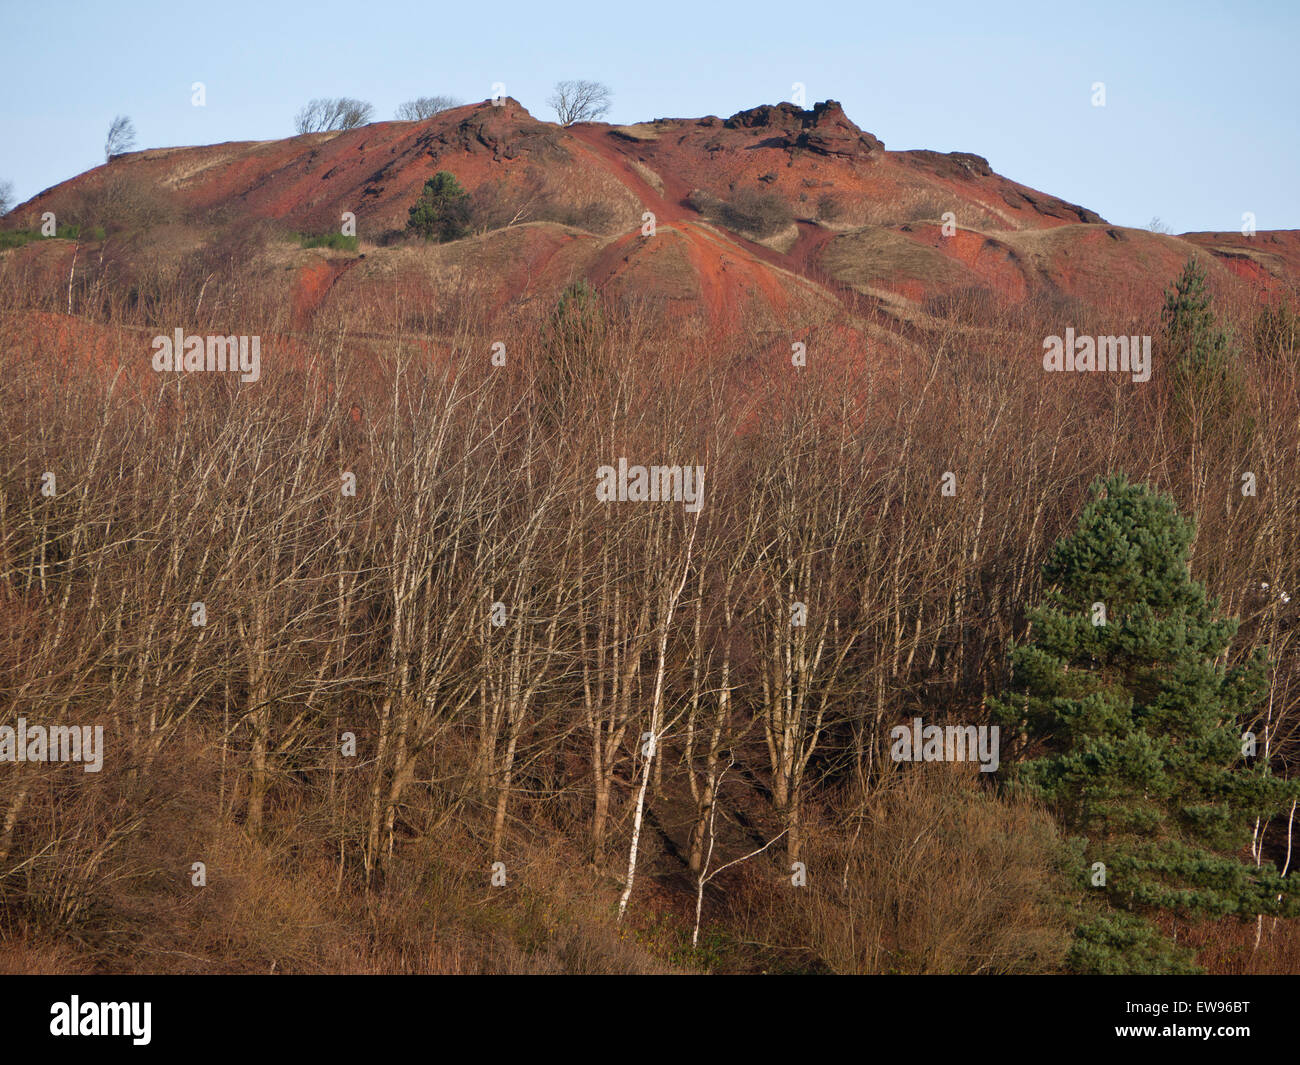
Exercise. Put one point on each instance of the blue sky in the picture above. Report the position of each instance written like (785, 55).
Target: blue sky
(1200, 123)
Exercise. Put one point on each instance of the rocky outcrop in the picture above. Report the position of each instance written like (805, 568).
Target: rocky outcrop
(506, 130)
(825, 130)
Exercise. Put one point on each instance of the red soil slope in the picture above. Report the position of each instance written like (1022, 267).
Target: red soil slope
(868, 223)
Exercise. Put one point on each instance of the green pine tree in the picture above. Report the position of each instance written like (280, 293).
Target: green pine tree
(1137, 724)
(442, 211)
(1191, 332)
(1203, 356)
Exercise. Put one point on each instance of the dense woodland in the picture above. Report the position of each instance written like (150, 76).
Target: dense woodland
(470, 660)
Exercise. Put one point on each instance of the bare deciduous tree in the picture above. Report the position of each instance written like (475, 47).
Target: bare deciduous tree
(580, 101)
(331, 113)
(425, 107)
(6, 197)
(121, 137)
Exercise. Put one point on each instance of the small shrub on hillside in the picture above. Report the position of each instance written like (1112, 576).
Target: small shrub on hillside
(442, 212)
(594, 217)
(498, 205)
(16, 238)
(753, 212)
(763, 214)
(119, 203)
(830, 208)
(337, 241)
(704, 202)
(968, 304)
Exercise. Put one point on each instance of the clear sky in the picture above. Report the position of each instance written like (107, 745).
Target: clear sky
(1200, 122)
